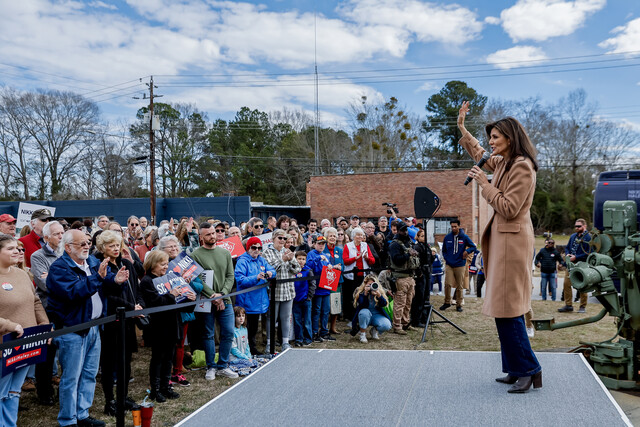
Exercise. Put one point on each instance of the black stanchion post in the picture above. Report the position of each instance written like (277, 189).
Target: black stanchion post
(120, 364)
(272, 314)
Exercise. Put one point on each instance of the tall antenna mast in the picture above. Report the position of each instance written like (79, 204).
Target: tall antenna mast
(317, 118)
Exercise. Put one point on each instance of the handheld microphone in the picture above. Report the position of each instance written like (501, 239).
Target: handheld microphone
(480, 164)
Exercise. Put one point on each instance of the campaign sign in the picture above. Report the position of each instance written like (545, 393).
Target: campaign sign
(26, 354)
(184, 265)
(233, 245)
(25, 210)
(266, 239)
(329, 279)
(171, 281)
(204, 303)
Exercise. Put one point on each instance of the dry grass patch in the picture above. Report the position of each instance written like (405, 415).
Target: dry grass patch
(481, 336)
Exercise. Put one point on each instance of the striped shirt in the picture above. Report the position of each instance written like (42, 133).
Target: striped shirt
(285, 270)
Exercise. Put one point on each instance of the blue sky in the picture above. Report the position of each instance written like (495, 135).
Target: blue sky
(222, 55)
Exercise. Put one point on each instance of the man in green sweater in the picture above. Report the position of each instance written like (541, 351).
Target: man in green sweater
(218, 259)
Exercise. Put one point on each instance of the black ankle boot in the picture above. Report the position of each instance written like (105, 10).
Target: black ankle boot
(110, 408)
(524, 384)
(507, 380)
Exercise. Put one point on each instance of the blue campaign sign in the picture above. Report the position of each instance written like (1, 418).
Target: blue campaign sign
(183, 265)
(27, 354)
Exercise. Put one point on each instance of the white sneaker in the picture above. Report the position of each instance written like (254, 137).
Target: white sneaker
(226, 372)
(211, 374)
(374, 334)
(363, 337)
(531, 332)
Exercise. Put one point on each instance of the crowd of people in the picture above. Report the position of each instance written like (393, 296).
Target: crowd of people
(84, 271)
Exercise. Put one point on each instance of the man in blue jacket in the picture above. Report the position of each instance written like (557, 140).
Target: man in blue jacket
(577, 249)
(75, 284)
(455, 249)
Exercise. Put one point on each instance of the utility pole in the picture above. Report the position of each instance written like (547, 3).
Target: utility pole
(152, 155)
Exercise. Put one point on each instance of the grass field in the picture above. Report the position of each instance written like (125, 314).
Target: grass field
(481, 335)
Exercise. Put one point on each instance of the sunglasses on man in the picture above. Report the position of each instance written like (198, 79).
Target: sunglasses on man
(256, 248)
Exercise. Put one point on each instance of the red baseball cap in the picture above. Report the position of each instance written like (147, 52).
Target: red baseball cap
(7, 218)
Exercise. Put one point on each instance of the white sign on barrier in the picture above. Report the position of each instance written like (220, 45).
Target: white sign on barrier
(25, 210)
(266, 239)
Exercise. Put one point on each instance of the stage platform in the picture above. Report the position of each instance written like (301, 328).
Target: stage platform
(305, 387)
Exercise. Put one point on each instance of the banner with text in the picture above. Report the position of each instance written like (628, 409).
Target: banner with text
(24, 355)
(26, 209)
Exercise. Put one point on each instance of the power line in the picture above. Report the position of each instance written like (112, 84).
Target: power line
(633, 52)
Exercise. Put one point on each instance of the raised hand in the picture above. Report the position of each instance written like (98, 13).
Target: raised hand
(122, 275)
(464, 110)
(102, 270)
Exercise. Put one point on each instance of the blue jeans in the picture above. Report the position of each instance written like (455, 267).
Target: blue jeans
(10, 387)
(320, 318)
(302, 321)
(227, 324)
(377, 320)
(518, 359)
(550, 280)
(80, 358)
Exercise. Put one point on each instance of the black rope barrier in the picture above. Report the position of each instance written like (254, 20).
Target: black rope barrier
(121, 315)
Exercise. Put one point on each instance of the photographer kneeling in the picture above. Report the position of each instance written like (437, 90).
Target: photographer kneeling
(370, 300)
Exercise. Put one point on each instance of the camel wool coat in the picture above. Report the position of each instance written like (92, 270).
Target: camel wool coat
(507, 240)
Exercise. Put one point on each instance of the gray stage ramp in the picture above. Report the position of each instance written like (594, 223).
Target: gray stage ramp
(406, 388)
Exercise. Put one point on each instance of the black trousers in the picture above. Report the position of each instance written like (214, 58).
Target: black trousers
(109, 363)
(44, 372)
(420, 299)
(479, 284)
(162, 352)
(348, 287)
(253, 321)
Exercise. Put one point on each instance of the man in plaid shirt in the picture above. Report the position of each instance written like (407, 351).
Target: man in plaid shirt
(286, 266)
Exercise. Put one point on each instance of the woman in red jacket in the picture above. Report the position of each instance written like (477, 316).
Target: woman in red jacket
(356, 255)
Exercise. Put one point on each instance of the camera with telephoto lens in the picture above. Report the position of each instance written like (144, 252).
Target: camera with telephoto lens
(391, 206)
(374, 286)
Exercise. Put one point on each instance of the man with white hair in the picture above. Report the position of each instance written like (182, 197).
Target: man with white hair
(324, 224)
(144, 222)
(34, 241)
(41, 261)
(8, 225)
(75, 284)
(103, 221)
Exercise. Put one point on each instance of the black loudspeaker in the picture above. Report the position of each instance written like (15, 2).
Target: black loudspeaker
(425, 202)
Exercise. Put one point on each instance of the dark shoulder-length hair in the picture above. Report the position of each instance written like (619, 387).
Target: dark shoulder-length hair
(520, 143)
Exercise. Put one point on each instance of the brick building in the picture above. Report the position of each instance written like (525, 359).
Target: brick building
(331, 196)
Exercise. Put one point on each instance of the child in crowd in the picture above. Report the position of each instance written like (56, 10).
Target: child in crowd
(370, 299)
(305, 289)
(240, 359)
(321, 299)
(240, 345)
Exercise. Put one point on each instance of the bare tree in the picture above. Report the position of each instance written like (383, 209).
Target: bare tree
(58, 122)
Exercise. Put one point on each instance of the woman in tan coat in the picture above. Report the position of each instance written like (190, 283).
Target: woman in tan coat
(507, 242)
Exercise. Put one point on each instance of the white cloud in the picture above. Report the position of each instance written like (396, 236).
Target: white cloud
(427, 87)
(102, 45)
(515, 57)
(101, 4)
(423, 21)
(492, 20)
(626, 40)
(542, 19)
